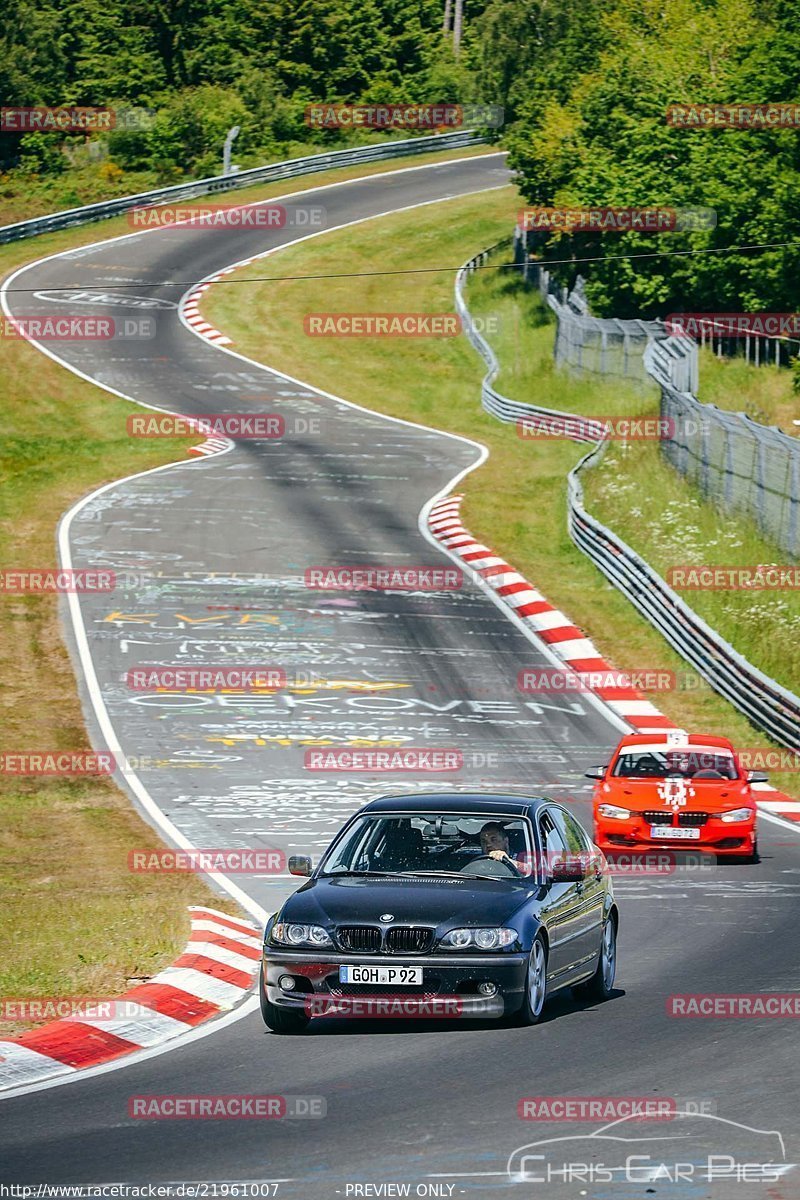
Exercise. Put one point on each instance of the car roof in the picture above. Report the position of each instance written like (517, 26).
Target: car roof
(676, 737)
(463, 802)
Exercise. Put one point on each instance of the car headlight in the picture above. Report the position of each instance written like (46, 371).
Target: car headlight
(483, 939)
(291, 934)
(613, 810)
(736, 814)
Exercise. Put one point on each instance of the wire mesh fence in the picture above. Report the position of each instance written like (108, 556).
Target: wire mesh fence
(738, 464)
(596, 345)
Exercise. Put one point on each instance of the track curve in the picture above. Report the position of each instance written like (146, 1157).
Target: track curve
(224, 542)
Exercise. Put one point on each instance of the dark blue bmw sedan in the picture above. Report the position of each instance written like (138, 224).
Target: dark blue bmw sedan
(443, 905)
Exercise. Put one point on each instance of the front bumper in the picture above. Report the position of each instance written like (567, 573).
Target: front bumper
(716, 836)
(449, 984)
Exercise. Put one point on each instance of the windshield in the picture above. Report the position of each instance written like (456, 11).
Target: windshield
(443, 843)
(657, 762)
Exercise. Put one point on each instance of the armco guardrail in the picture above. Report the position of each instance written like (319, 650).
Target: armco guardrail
(493, 401)
(272, 172)
(763, 701)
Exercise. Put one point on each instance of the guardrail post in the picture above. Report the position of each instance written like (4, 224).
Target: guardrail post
(794, 502)
(760, 483)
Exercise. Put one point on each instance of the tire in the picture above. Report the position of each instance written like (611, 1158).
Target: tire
(750, 859)
(280, 1020)
(535, 985)
(601, 985)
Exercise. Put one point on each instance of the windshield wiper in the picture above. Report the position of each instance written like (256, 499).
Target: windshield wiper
(498, 878)
(339, 874)
(431, 871)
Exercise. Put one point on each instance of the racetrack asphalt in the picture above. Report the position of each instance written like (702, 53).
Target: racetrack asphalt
(222, 544)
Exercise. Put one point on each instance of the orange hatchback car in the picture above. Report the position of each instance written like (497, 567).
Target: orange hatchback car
(675, 790)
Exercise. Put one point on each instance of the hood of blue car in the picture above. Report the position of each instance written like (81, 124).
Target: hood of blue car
(428, 900)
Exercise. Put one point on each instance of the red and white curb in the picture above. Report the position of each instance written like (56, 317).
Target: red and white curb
(191, 311)
(564, 639)
(215, 972)
(212, 445)
(190, 305)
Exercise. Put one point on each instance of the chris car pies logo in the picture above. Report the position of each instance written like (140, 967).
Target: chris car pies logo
(702, 1150)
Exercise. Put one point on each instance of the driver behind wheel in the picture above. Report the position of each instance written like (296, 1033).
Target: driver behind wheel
(494, 843)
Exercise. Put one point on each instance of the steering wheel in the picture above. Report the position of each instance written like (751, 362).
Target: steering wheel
(499, 867)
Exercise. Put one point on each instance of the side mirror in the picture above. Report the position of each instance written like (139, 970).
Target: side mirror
(595, 773)
(757, 777)
(568, 870)
(299, 864)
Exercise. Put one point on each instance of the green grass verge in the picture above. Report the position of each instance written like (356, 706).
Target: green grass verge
(764, 393)
(522, 338)
(516, 500)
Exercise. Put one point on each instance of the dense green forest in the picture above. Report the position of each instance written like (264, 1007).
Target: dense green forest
(591, 130)
(585, 86)
(202, 67)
